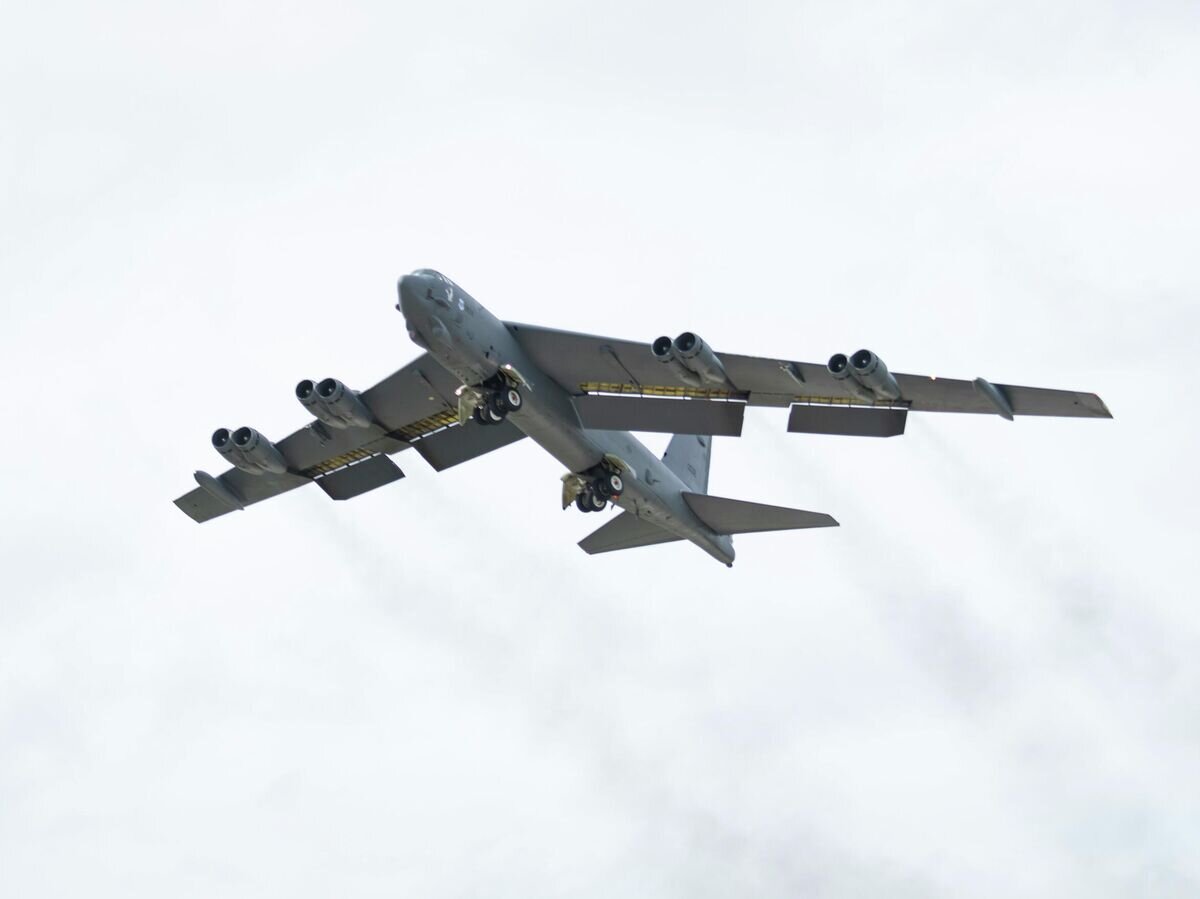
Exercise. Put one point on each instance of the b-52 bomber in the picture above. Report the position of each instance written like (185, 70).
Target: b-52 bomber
(482, 384)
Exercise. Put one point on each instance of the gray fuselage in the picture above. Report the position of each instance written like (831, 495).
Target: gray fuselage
(474, 345)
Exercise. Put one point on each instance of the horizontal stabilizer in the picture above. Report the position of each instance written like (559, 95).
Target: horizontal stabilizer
(461, 443)
(850, 421)
(359, 478)
(663, 416)
(733, 516)
(626, 531)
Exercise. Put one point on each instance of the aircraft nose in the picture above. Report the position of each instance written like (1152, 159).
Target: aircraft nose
(413, 289)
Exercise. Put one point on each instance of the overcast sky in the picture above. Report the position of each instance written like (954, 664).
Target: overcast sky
(984, 683)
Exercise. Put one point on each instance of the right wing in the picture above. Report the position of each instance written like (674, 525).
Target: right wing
(587, 364)
(613, 379)
(416, 406)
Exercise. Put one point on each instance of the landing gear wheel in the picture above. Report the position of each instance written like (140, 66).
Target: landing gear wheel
(492, 416)
(497, 406)
(597, 502)
(511, 399)
(478, 417)
(609, 486)
(582, 503)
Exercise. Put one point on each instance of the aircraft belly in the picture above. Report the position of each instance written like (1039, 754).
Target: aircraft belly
(547, 424)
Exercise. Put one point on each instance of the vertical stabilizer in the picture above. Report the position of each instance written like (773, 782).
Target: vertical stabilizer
(688, 456)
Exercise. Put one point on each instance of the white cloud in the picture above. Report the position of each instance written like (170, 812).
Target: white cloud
(983, 682)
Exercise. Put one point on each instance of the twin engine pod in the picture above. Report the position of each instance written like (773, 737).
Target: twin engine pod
(864, 375)
(248, 450)
(691, 360)
(333, 403)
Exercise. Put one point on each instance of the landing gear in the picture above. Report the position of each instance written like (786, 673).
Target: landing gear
(590, 502)
(608, 485)
(511, 399)
(594, 490)
(499, 399)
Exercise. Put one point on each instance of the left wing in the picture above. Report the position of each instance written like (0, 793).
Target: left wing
(416, 406)
(588, 365)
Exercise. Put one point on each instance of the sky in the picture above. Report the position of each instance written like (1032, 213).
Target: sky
(983, 683)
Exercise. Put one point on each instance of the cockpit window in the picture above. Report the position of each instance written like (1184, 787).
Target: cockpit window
(431, 273)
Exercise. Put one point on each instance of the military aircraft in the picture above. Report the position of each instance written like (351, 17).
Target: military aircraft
(482, 384)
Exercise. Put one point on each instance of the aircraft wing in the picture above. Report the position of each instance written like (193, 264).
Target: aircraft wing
(590, 365)
(414, 407)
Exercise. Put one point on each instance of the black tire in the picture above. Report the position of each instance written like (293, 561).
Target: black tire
(478, 417)
(497, 406)
(609, 486)
(493, 417)
(511, 399)
(582, 503)
(597, 502)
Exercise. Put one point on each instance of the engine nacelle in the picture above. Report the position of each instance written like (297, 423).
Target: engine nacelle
(869, 370)
(249, 450)
(695, 354)
(333, 403)
(664, 351)
(839, 366)
(222, 441)
(227, 444)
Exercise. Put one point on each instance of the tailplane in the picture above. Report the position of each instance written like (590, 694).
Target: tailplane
(626, 531)
(733, 516)
(688, 456)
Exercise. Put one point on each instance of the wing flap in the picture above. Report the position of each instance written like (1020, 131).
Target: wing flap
(461, 443)
(848, 421)
(626, 531)
(359, 478)
(663, 416)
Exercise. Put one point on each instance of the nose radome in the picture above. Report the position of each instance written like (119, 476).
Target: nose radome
(413, 289)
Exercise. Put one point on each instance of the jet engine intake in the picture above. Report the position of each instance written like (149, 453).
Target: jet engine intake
(664, 351)
(249, 451)
(869, 370)
(839, 367)
(696, 355)
(333, 403)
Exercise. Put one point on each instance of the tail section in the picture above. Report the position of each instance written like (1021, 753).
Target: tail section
(733, 516)
(688, 456)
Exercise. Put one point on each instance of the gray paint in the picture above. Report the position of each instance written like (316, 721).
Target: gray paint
(561, 377)
(362, 477)
(663, 416)
(848, 422)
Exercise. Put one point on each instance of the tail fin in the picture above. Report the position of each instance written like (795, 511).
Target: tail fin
(733, 516)
(688, 456)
